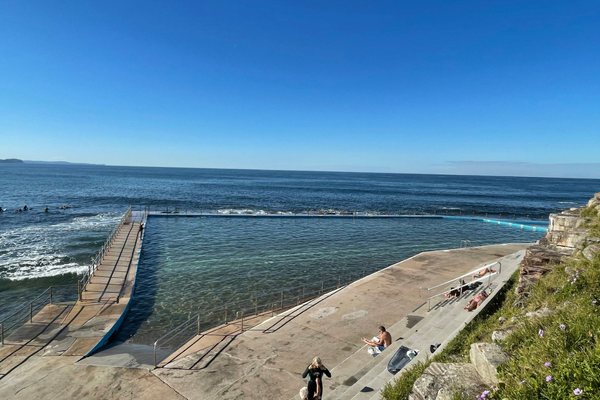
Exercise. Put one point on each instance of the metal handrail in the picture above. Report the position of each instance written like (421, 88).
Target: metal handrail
(488, 276)
(26, 312)
(465, 275)
(296, 300)
(85, 279)
(138, 234)
(462, 284)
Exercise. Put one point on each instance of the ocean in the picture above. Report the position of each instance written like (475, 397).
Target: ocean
(190, 265)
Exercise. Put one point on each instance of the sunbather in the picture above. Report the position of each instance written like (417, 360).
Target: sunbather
(482, 273)
(476, 301)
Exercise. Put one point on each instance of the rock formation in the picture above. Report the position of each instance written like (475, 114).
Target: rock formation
(567, 235)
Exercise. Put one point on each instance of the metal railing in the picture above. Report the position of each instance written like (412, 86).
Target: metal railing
(52, 295)
(85, 279)
(461, 284)
(138, 236)
(242, 312)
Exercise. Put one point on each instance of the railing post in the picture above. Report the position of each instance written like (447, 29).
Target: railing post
(303, 293)
(198, 324)
(79, 290)
(154, 354)
(339, 281)
(2, 332)
(50, 294)
(242, 322)
(256, 306)
(282, 299)
(31, 312)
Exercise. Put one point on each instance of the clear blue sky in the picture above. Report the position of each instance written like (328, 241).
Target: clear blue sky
(475, 87)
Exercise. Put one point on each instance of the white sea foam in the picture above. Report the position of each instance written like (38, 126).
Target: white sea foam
(43, 250)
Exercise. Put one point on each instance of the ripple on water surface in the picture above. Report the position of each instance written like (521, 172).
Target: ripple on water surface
(194, 265)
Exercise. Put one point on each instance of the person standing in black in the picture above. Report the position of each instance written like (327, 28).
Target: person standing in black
(315, 373)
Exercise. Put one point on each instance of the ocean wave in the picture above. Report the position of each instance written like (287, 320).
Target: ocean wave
(47, 250)
(322, 211)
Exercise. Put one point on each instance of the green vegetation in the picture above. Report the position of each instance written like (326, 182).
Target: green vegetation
(594, 225)
(556, 356)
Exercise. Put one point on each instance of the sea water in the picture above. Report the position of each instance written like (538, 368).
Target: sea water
(194, 264)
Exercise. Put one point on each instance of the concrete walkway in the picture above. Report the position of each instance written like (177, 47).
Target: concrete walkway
(267, 360)
(61, 334)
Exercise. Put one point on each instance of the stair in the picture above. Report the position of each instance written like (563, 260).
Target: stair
(355, 379)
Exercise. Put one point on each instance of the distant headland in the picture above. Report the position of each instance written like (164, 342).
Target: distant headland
(11, 161)
(17, 161)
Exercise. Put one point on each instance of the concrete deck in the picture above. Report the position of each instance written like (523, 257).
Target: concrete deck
(73, 330)
(267, 360)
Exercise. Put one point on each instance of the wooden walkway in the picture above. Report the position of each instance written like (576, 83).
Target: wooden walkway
(75, 329)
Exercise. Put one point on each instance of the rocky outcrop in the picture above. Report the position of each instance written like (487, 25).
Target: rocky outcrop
(595, 202)
(591, 251)
(442, 381)
(486, 358)
(567, 235)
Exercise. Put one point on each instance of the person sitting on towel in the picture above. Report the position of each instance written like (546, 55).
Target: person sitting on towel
(382, 341)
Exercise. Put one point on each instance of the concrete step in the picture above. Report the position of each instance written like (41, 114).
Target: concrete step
(510, 264)
(438, 326)
(360, 379)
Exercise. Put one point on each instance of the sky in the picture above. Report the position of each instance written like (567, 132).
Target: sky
(452, 87)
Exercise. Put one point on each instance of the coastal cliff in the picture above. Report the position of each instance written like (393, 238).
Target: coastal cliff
(569, 235)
